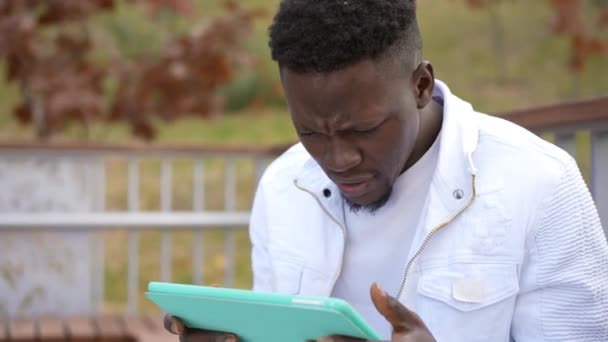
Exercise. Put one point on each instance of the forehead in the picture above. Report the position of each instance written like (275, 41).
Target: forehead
(364, 87)
(361, 76)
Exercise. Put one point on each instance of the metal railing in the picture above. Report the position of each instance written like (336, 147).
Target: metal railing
(135, 219)
(581, 128)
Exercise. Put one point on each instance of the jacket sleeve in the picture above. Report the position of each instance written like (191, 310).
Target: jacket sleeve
(258, 233)
(564, 279)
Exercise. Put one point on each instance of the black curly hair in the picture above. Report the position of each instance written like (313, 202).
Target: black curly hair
(327, 35)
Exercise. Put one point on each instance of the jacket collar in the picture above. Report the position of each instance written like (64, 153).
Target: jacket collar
(459, 139)
(452, 177)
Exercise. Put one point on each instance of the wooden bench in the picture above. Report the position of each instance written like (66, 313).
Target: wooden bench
(110, 328)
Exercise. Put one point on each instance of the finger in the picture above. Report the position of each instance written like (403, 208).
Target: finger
(192, 335)
(339, 339)
(402, 319)
(173, 325)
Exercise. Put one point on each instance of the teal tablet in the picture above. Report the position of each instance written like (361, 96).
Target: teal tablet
(258, 316)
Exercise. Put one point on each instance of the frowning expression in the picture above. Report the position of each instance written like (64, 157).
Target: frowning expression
(359, 123)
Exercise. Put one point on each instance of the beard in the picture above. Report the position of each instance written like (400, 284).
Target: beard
(371, 208)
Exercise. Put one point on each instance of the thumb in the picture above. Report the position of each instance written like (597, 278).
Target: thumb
(173, 324)
(402, 319)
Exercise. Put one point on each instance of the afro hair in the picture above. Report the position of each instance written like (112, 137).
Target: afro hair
(327, 35)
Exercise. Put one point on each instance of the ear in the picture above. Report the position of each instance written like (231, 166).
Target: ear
(423, 83)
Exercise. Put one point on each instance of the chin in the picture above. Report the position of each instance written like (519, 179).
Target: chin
(370, 206)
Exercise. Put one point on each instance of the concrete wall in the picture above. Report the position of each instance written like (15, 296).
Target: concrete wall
(43, 272)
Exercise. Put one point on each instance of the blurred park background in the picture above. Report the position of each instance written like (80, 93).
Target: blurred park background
(157, 73)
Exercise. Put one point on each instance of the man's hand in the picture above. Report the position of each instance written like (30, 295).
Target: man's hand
(407, 325)
(176, 327)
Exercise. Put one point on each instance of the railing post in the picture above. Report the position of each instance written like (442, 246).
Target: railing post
(567, 141)
(260, 166)
(229, 205)
(133, 244)
(599, 174)
(198, 205)
(98, 268)
(166, 192)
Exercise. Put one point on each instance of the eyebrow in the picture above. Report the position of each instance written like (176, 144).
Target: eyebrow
(369, 123)
(345, 125)
(358, 126)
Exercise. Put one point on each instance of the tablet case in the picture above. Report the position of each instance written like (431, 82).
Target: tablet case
(257, 316)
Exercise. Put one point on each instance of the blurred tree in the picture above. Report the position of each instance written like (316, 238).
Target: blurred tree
(51, 53)
(567, 20)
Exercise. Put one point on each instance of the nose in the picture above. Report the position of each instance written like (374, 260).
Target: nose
(341, 155)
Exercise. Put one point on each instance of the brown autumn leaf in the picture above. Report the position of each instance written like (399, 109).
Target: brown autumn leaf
(184, 8)
(603, 18)
(69, 10)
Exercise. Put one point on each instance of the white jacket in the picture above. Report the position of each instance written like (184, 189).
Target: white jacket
(521, 257)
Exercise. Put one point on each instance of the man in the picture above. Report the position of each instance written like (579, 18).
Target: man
(480, 228)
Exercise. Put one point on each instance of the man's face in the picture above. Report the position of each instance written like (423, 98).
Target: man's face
(360, 125)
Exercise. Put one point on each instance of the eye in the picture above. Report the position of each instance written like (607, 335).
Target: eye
(307, 134)
(368, 131)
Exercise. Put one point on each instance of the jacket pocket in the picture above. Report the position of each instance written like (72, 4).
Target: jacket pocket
(468, 302)
(468, 287)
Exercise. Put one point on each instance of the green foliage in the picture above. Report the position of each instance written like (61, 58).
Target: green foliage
(242, 91)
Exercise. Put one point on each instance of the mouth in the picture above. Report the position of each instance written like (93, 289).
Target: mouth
(354, 188)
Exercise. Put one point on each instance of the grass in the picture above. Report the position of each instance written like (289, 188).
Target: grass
(458, 41)
(264, 126)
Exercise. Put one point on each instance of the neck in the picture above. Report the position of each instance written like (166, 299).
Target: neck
(431, 119)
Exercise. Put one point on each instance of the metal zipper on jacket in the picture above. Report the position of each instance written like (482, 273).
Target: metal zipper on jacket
(432, 233)
(342, 228)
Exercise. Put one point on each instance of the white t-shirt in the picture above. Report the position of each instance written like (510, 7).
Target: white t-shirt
(378, 244)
